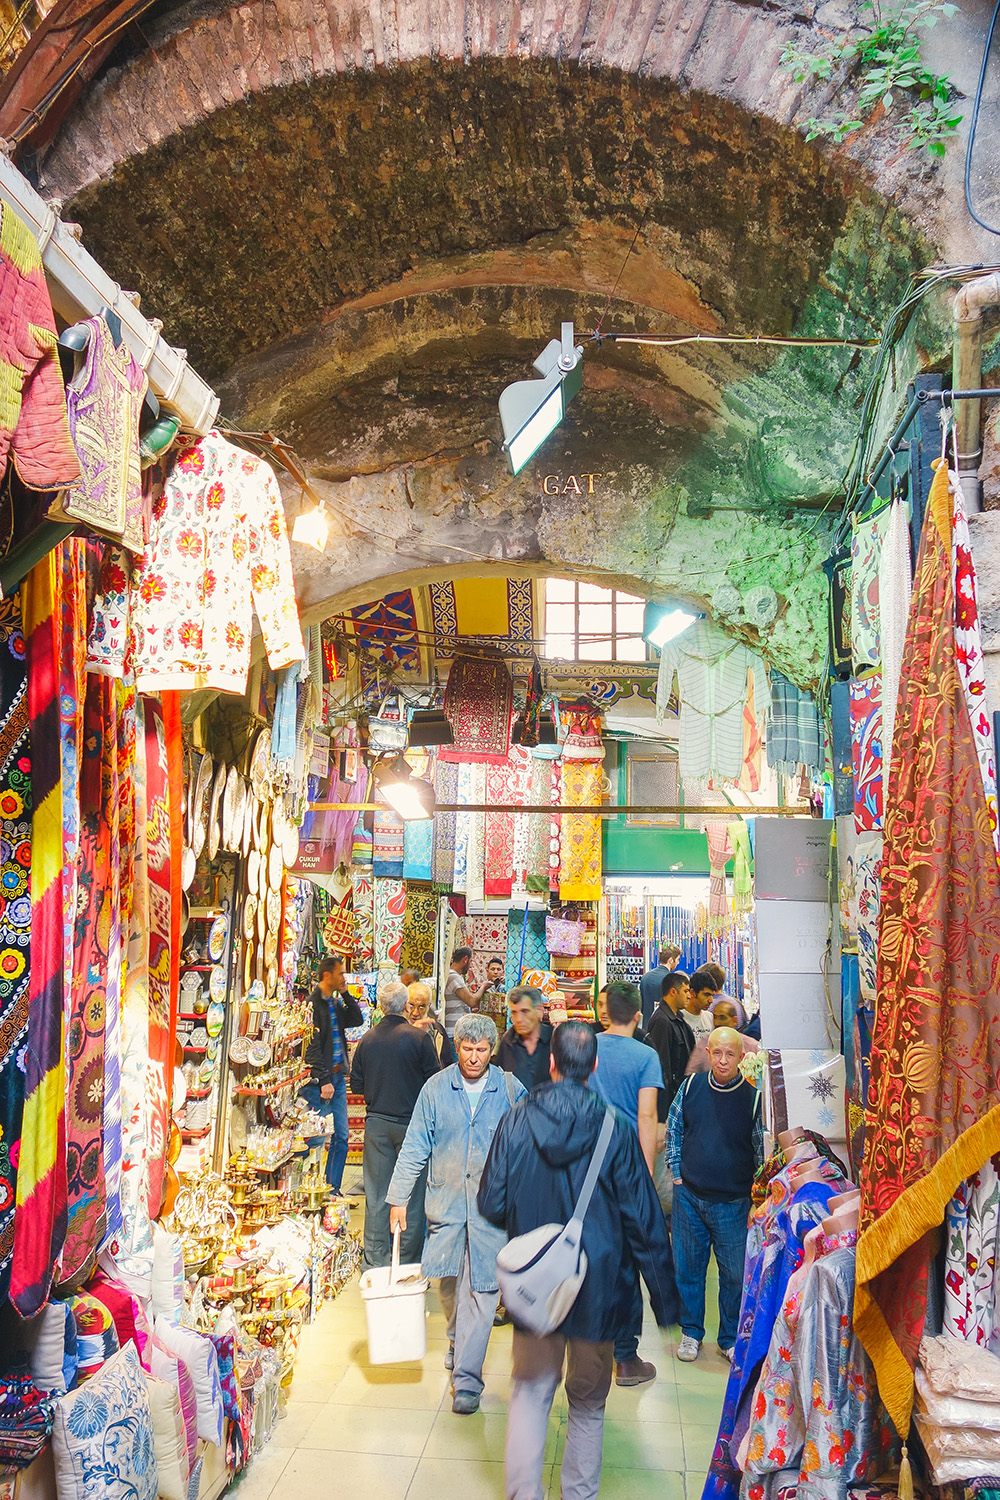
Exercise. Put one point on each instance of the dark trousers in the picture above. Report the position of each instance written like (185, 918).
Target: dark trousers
(627, 1342)
(699, 1227)
(383, 1143)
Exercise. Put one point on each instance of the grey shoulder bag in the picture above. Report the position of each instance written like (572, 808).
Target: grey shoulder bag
(541, 1273)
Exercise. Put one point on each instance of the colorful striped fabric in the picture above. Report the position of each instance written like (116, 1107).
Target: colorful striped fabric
(158, 874)
(15, 910)
(40, 1221)
(115, 785)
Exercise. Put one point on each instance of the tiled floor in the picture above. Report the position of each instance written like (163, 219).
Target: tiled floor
(389, 1430)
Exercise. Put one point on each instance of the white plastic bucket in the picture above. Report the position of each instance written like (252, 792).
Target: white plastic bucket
(395, 1308)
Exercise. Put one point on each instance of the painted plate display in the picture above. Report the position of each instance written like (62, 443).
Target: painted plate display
(217, 938)
(272, 980)
(188, 866)
(249, 913)
(259, 1055)
(214, 830)
(215, 1019)
(256, 993)
(270, 948)
(273, 911)
(199, 814)
(275, 867)
(217, 983)
(212, 1051)
(229, 809)
(278, 821)
(260, 762)
(253, 871)
(239, 812)
(262, 921)
(262, 877)
(248, 805)
(239, 1049)
(248, 966)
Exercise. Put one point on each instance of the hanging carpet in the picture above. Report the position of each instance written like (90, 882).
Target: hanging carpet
(445, 790)
(387, 852)
(478, 701)
(935, 1053)
(389, 913)
(419, 926)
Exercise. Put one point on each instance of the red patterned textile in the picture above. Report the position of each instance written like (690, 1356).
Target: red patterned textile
(502, 788)
(932, 1119)
(478, 701)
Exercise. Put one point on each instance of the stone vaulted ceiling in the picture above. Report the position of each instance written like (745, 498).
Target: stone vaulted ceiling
(363, 222)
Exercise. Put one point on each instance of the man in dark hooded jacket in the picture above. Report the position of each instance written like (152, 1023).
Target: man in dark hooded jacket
(533, 1174)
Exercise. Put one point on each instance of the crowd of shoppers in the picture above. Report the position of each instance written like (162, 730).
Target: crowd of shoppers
(476, 1134)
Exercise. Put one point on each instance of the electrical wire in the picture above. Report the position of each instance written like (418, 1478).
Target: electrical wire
(789, 342)
(621, 273)
(975, 122)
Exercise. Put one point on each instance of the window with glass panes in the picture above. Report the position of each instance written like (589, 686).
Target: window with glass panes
(587, 623)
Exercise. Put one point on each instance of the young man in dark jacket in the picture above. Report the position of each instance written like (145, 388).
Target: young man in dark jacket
(673, 1041)
(334, 1009)
(534, 1172)
(392, 1063)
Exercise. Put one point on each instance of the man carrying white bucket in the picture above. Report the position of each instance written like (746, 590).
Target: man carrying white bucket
(452, 1126)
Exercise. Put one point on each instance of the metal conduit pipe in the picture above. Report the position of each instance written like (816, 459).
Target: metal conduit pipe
(967, 374)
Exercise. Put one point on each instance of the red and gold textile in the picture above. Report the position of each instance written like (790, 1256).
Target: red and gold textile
(163, 739)
(932, 1116)
(478, 702)
(580, 834)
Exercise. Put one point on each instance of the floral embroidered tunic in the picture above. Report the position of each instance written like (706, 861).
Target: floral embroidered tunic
(217, 550)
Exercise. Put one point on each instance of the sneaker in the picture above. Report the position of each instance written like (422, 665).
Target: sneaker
(449, 1359)
(465, 1403)
(687, 1349)
(727, 1354)
(634, 1371)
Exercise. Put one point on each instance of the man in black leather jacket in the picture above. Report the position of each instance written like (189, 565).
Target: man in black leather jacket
(535, 1169)
(329, 1063)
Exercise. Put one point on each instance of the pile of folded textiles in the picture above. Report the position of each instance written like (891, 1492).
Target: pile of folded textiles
(26, 1418)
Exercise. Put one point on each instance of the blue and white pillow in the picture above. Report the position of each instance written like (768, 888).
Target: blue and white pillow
(103, 1435)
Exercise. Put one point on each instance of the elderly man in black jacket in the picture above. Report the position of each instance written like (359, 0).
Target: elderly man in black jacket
(534, 1172)
(391, 1065)
(334, 1009)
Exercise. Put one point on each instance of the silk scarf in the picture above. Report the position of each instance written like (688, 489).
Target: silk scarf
(936, 1044)
(40, 1216)
(389, 913)
(15, 910)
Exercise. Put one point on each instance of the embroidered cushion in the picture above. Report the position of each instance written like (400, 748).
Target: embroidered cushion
(199, 1355)
(169, 1439)
(103, 1435)
(131, 1322)
(166, 1366)
(96, 1338)
(225, 1348)
(49, 1338)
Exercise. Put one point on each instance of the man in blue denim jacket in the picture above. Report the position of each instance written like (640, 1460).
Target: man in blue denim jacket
(452, 1128)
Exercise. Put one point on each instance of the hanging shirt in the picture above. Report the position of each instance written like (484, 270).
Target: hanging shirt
(711, 670)
(217, 550)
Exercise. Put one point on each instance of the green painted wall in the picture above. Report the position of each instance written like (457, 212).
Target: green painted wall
(646, 851)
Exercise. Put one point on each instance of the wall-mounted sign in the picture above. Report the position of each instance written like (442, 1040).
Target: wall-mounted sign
(570, 484)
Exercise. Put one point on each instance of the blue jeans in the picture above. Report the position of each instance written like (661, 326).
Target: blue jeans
(627, 1342)
(336, 1157)
(701, 1225)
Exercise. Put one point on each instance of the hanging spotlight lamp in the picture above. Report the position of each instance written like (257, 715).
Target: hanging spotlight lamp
(409, 796)
(532, 409)
(663, 622)
(430, 726)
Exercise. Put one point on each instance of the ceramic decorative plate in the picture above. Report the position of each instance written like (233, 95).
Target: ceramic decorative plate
(212, 1051)
(256, 993)
(188, 866)
(215, 1019)
(262, 921)
(278, 821)
(272, 979)
(248, 806)
(273, 911)
(248, 966)
(217, 983)
(290, 846)
(262, 877)
(229, 809)
(275, 867)
(217, 938)
(249, 913)
(239, 1049)
(253, 871)
(239, 812)
(259, 1054)
(270, 948)
(260, 762)
(199, 815)
(214, 830)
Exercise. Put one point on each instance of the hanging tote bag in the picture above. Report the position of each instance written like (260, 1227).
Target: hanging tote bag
(541, 1273)
(564, 935)
(338, 929)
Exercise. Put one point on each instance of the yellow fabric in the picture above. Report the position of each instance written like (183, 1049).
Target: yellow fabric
(580, 837)
(481, 606)
(11, 381)
(17, 242)
(940, 501)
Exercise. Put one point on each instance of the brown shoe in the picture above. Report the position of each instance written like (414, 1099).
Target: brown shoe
(634, 1371)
